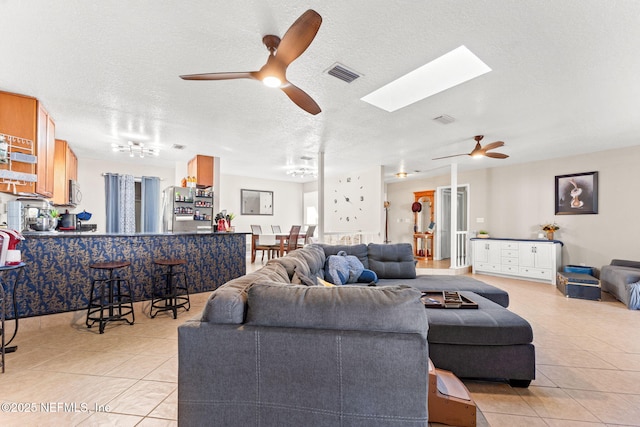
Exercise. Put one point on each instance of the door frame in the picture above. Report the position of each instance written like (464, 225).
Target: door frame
(439, 214)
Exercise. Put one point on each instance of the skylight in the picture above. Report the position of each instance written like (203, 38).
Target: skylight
(451, 69)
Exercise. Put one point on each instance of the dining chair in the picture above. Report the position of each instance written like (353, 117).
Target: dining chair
(257, 230)
(276, 229)
(292, 240)
(308, 234)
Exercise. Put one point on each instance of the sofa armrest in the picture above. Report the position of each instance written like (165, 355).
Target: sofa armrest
(625, 263)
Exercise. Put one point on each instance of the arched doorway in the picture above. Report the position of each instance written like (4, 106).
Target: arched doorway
(423, 213)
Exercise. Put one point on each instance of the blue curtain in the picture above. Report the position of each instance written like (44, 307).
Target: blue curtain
(150, 206)
(120, 203)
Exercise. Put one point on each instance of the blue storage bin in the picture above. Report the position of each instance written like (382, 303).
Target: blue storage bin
(580, 269)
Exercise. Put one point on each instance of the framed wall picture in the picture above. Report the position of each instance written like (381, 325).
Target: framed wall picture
(256, 202)
(577, 194)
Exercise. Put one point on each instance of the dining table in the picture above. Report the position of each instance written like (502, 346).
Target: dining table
(271, 239)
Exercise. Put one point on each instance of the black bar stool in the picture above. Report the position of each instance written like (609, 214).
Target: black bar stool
(174, 293)
(110, 297)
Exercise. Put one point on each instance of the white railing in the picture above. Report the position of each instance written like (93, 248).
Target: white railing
(459, 256)
(352, 238)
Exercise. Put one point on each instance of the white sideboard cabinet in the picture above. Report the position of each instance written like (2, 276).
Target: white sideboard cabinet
(537, 260)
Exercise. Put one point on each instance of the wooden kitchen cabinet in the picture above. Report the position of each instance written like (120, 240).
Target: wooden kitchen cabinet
(65, 168)
(202, 168)
(18, 118)
(45, 151)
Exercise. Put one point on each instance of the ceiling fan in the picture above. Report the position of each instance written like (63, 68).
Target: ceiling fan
(480, 151)
(282, 52)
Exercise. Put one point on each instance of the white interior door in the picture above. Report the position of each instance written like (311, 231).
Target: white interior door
(443, 218)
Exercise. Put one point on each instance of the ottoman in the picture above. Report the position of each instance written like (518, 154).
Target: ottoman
(427, 282)
(489, 342)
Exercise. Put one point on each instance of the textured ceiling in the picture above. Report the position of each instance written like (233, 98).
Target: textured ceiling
(564, 80)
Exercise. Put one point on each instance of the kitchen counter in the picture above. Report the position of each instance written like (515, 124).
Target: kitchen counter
(96, 233)
(57, 277)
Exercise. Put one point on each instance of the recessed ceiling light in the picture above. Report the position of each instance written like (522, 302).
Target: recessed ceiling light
(401, 175)
(449, 70)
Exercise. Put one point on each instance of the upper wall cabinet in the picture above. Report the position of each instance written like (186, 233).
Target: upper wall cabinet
(65, 168)
(18, 119)
(46, 146)
(202, 168)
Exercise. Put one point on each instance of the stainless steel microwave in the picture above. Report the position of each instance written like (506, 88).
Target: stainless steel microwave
(75, 196)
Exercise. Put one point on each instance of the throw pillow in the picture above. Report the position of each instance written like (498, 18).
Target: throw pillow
(343, 268)
(368, 276)
(324, 283)
(634, 295)
(337, 270)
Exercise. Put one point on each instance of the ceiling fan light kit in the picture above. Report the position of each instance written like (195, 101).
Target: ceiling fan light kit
(282, 52)
(135, 148)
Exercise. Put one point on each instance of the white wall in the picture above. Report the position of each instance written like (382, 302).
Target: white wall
(287, 202)
(515, 200)
(363, 211)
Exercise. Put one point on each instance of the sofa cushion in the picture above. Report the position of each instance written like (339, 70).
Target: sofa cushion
(358, 308)
(292, 263)
(227, 303)
(301, 279)
(392, 261)
(359, 251)
(315, 257)
(489, 325)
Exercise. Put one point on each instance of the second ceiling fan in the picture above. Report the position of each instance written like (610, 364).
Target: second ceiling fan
(282, 52)
(480, 151)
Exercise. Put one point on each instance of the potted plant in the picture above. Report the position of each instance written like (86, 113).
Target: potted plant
(550, 228)
(483, 234)
(54, 214)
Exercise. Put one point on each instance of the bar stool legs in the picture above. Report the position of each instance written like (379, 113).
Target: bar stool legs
(171, 290)
(110, 298)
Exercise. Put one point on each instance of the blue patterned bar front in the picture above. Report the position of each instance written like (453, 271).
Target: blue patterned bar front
(57, 277)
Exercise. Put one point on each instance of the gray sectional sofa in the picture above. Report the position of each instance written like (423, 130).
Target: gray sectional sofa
(621, 279)
(270, 350)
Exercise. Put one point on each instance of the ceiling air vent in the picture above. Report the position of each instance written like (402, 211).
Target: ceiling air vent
(444, 119)
(178, 147)
(341, 72)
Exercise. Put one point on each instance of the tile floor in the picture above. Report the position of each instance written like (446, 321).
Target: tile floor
(588, 367)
